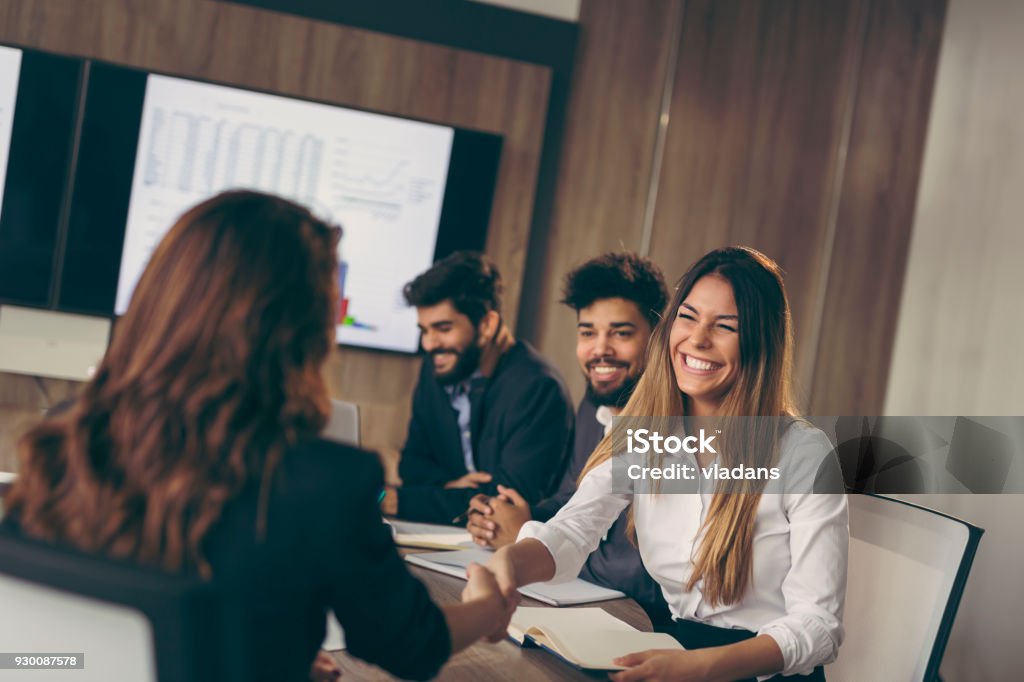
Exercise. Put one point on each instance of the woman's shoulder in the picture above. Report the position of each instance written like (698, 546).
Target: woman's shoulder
(802, 434)
(319, 463)
(808, 460)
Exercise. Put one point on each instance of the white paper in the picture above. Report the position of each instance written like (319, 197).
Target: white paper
(557, 594)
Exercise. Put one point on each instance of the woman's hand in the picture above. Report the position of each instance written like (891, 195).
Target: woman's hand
(661, 665)
(482, 587)
(504, 571)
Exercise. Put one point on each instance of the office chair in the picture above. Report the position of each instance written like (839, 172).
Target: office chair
(907, 569)
(129, 622)
(343, 426)
(6, 481)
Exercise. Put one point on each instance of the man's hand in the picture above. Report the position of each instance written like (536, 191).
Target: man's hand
(657, 665)
(495, 521)
(324, 669)
(471, 480)
(482, 586)
(476, 520)
(511, 511)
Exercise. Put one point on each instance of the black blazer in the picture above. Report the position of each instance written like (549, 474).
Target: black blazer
(325, 548)
(521, 424)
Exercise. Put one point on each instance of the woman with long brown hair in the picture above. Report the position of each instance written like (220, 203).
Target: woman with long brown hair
(754, 573)
(194, 449)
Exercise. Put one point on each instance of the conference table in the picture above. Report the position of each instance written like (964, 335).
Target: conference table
(502, 661)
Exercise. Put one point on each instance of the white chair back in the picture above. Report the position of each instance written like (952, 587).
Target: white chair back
(130, 622)
(117, 641)
(343, 426)
(907, 570)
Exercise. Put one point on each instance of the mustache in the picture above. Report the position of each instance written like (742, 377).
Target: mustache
(442, 351)
(606, 361)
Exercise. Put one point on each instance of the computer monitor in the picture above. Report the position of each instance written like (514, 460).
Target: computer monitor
(406, 192)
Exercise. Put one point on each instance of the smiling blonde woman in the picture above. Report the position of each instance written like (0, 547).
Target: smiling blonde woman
(755, 582)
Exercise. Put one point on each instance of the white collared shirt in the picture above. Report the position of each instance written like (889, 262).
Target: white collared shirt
(798, 582)
(604, 417)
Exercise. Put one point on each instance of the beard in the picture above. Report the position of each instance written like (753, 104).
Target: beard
(467, 361)
(616, 397)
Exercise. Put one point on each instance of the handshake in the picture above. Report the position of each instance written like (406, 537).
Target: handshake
(491, 592)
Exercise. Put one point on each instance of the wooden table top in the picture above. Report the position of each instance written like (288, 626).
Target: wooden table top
(501, 661)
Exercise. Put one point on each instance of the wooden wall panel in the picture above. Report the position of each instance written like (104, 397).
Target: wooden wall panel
(755, 136)
(876, 207)
(295, 56)
(607, 157)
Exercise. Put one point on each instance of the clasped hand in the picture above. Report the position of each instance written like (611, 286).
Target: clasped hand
(495, 521)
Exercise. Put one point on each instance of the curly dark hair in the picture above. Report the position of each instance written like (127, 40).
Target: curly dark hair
(618, 275)
(468, 279)
(213, 373)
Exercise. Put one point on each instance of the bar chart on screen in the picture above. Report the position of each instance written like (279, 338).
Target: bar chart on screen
(381, 178)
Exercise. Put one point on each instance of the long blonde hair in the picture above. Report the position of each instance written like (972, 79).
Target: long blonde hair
(763, 388)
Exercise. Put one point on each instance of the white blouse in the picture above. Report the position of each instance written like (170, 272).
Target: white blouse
(800, 547)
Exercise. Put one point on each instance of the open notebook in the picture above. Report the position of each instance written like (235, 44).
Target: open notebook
(588, 638)
(557, 594)
(429, 535)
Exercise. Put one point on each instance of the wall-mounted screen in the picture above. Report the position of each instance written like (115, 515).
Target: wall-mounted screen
(405, 191)
(382, 178)
(38, 94)
(10, 72)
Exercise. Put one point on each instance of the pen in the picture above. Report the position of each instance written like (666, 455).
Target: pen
(463, 517)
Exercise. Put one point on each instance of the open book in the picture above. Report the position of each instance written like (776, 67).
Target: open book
(429, 535)
(557, 594)
(588, 638)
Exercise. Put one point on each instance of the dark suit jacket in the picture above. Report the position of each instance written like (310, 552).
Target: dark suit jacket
(325, 549)
(521, 425)
(616, 561)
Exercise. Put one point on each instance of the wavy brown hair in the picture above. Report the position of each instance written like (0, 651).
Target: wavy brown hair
(212, 374)
(724, 558)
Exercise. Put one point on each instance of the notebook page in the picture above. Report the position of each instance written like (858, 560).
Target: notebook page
(527, 617)
(569, 593)
(557, 594)
(429, 535)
